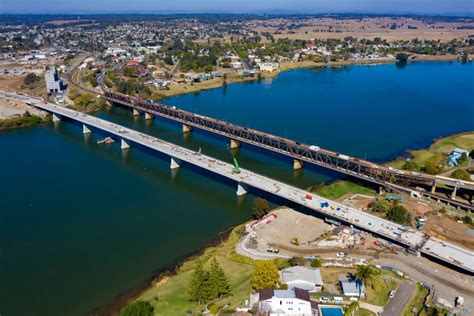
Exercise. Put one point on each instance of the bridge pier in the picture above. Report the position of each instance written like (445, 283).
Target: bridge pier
(124, 144)
(56, 118)
(136, 112)
(234, 144)
(175, 163)
(433, 188)
(85, 129)
(241, 189)
(381, 190)
(297, 164)
(187, 128)
(148, 116)
(453, 194)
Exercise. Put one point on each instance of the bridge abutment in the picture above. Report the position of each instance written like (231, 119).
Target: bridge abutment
(187, 128)
(241, 189)
(124, 144)
(175, 163)
(297, 164)
(234, 144)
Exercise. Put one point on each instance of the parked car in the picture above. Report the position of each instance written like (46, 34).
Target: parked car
(392, 293)
(340, 255)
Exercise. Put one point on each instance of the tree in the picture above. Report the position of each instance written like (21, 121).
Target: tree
(411, 165)
(316, 263)
(296, 261)
(260, 208)
(463, 159)
(219, 284)
(461, 174)
(366, 274)
(265, 275)
(399, 214)
(435, 164)
(467, 219)
(379, 205)
(402, 57)
(199, 280)
(138, 308)
(30, 78)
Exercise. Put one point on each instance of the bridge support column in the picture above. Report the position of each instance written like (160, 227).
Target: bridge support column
(175, 163)
(453, 195)
(85, 129)
(234, 144)
(148, 116)
(297, 164)
(433, 188)
(136, 112)
(124, 144)
(241, 189)
(381, 190)
(56, 118)
(187, 128)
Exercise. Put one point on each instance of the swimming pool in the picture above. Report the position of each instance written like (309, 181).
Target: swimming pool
(331, 311)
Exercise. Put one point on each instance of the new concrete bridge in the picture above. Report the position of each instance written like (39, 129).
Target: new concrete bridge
(447, 253)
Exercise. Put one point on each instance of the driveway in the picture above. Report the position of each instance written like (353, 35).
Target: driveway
(397, 304)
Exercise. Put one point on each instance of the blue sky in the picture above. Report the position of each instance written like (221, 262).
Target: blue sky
(460, 7)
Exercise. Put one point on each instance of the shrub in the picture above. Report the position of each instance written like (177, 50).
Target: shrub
(461, 174)
(316, 263)
(399, 214)
(260, 208)
(30, 78)
(138, 308)
(296, 261)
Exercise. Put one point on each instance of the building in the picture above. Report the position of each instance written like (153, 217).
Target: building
(283, 302)
(453, 157)
(268, 67)
(352, 287)
(303, 278)
(54, 84)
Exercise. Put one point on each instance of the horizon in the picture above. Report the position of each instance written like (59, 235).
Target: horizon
(420, 7)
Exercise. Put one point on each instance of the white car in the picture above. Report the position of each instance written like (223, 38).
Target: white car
(340, 255)
(392, 293)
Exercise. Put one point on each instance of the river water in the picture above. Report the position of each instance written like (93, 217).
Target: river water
(81, 223)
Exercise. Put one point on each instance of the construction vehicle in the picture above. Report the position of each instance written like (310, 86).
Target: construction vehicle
(295, 241)
(393, 198)
(420, 222)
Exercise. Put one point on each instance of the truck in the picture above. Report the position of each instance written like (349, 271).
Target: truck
(314, 148)
(344, 157)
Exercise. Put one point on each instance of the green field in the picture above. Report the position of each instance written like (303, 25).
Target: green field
(338, 189)
(377, 293)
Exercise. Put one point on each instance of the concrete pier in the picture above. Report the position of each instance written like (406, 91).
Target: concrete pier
(136, 112)
(85, 129)
(241, 189)
(124, 144)
(453, 194)
(56, 118)
(148, 116)
(433, 188)
(175, 163)
(297, 164)
(234, 144)
(187, 128)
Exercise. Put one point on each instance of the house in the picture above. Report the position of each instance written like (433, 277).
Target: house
(236, 65)
(453, 157)
(283, 302)
(303, 278)
(352, 287)
(268, 67)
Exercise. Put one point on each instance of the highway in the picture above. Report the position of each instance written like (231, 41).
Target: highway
(446, 252)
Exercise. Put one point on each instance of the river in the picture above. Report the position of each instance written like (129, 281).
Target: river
(81, 223)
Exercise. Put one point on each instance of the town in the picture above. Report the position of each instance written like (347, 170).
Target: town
(386, 237)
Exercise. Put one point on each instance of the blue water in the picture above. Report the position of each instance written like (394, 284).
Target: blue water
(81, 223)
(331, 311)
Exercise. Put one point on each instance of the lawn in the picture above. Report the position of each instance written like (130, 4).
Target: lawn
(417, 301)
(377, 293)
(442, 145)
(169, 296)
(364, 312)
(340, 188)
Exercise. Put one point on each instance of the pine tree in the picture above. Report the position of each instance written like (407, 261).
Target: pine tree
(219, 284)
(196, 284)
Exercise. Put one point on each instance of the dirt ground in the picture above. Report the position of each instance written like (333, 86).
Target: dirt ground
(10, 83)
(289, 224)
(416, 207)
(10, 107)
(443, 227)
(324, 28)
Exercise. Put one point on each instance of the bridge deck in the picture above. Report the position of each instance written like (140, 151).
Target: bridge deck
(409, 237)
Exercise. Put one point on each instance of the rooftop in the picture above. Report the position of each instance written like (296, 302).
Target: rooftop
(298, 273)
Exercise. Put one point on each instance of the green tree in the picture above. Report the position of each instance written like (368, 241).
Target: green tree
(199, 280)
(399, 214)
(366, 274)
(30, 79)
(411, 165)
(467, 219)
(138, 308)
(260, 208)
(316, 263)
(402, 57)
(219, 284)
(265, 275)
(380, 205)
(435, 164)
(463, 159)
(461, 174)
(296, 261)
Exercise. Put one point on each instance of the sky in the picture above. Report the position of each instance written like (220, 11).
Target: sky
(442, 7)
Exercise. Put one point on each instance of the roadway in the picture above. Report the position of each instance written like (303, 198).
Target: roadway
(397, 304)
(406, 236)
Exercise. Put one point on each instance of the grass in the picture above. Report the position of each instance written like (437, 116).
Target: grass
(377, 293)
(417, 301)
(169, 296)
(443, 145)
(364, 312)
(341, 188)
